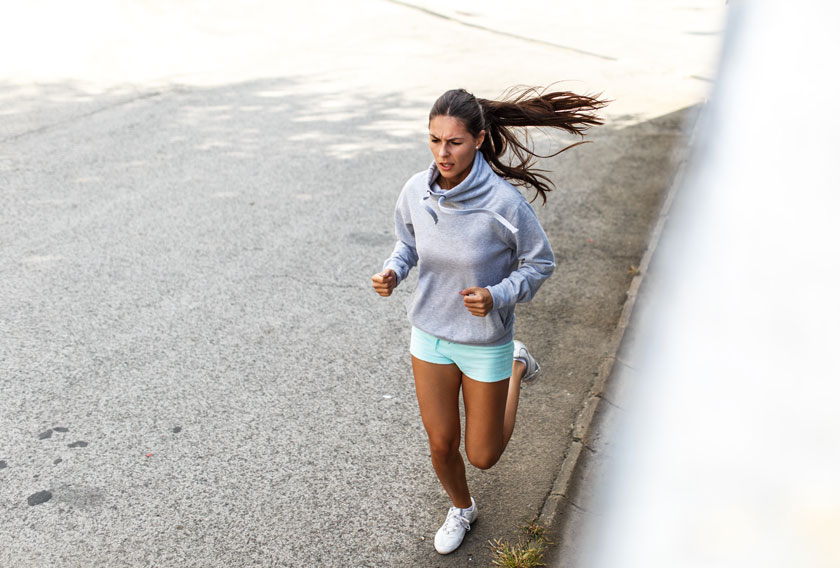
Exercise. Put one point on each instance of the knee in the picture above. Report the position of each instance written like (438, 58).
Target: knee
(443, 448)
(483, 459)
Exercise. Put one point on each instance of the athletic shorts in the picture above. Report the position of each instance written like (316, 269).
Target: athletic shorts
(484, 363)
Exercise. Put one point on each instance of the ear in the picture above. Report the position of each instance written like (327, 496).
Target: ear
(479, 140)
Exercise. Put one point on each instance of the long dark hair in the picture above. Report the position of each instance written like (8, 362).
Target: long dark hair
(518, 108)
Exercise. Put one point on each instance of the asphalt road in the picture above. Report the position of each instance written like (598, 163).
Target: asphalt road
(194, 369)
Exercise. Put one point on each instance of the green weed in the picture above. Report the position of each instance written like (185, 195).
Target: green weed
(526, 552)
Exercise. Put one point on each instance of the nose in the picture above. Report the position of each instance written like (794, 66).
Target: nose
(444, 150)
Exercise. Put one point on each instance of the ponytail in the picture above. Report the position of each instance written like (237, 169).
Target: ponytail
(526, 107)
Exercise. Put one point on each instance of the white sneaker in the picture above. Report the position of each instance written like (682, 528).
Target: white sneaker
(532, 368)
(457, 523)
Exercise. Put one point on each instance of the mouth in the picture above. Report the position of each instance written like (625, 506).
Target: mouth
(445, 166)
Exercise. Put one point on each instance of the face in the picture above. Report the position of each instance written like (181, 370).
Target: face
(453, 148)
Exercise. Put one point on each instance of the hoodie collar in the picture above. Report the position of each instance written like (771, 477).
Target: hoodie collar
(477, 182)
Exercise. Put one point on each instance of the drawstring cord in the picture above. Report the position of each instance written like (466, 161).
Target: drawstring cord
(452, 211)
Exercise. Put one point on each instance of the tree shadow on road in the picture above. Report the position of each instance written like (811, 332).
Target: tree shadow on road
(202, 256)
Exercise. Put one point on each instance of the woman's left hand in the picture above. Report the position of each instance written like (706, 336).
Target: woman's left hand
(477, 300)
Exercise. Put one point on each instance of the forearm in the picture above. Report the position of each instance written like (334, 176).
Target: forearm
(522, 284)
(401, 261)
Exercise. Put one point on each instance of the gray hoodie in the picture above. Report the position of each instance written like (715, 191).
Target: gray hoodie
(481, 233)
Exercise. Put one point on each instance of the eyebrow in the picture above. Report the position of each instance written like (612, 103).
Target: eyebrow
(448, 139)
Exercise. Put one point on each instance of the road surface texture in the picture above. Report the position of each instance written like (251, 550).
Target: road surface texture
(194, 368)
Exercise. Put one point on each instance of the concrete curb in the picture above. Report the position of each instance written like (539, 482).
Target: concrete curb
(554, 505)
(493, 30)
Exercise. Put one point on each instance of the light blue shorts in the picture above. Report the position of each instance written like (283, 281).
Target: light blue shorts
(487, 364)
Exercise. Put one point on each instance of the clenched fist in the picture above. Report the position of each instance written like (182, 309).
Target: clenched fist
(384, 282)
(477, 300)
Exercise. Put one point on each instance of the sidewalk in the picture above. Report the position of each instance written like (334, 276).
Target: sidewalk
(582, 497)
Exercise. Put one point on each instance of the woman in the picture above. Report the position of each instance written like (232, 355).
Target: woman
(479, 249)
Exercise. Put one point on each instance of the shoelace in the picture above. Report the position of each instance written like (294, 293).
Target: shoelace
(453, 519)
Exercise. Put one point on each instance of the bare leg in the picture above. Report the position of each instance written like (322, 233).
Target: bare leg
(438, 389)
(491, 415)
(513, 399)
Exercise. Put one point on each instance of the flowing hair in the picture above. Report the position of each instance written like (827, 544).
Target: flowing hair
(520, 108)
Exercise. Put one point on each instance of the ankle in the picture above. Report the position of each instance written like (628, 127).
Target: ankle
(460, 503)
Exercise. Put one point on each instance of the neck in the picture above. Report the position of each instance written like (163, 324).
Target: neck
(449, 184)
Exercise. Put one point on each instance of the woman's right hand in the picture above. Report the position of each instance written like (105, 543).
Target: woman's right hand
(384, 282)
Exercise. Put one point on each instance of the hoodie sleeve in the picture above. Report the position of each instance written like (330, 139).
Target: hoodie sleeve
(536, 261)
(404, 256)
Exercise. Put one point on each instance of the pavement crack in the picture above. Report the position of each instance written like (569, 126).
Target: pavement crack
(501, 32)
(322, 285)
(625, 363)
(48, 127)
(584, 444)
(608, 401)
(576, 506)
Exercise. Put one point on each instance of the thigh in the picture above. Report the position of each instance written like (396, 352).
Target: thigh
(438, 388)
(484, 409)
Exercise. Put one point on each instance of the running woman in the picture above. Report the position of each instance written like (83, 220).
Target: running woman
(479, 250)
